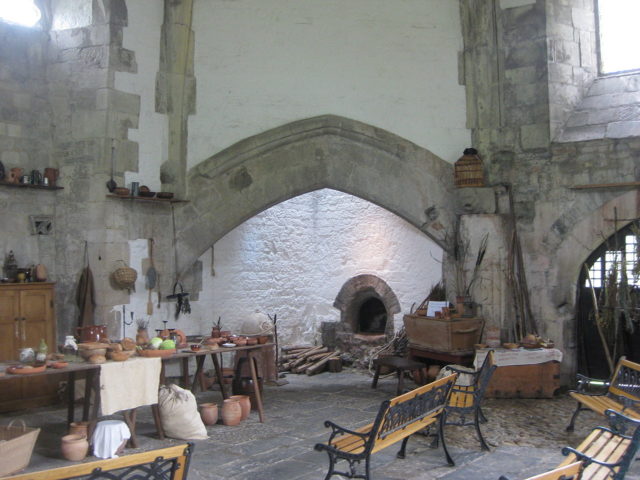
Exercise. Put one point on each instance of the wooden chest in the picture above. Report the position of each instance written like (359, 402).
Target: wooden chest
(456, 335)
(539, 380)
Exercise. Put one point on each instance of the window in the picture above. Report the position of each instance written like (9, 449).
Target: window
(611, 263)
(617, 26)
(20, 12)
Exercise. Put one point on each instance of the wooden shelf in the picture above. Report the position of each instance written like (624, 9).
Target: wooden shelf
(28, 185)
(146, 199)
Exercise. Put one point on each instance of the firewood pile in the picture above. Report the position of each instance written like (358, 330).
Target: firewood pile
(309, 359)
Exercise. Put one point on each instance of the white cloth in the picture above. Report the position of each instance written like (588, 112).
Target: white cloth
(519, 356)
(129, 384)
(108, 437)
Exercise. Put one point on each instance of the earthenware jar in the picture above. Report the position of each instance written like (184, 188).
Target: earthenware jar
(51, 174)
(231, 412)
(78, 428)
(142, 336)
(245, 405)
(74, 447)
(209, 413)
(14, 175)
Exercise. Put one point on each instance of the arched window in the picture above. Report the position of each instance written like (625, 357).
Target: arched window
(617, 28)
(20, 12)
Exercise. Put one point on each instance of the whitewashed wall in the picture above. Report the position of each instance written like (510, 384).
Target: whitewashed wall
(262, 64)
(292, 260)
(392, 64)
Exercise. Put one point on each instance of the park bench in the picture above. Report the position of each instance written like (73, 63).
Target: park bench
(464, 408)
(171, 463)
(622, 392)
(606, 453)
(397, 420)
(568, 472)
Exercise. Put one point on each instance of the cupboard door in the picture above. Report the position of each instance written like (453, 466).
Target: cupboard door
(36, 308)
(10, 324)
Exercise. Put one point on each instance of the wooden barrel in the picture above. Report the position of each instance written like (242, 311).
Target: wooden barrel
(468, 170)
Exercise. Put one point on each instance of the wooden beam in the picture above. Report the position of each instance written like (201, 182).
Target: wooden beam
(606, 185)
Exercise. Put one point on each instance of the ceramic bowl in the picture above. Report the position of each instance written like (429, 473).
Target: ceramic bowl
(510, 346)
(122, 191)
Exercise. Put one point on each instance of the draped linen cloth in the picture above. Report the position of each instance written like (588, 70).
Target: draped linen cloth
(129, 384)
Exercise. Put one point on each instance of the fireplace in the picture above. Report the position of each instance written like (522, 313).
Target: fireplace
(367, 307)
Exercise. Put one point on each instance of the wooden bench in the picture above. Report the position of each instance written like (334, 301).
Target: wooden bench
(568, 472)
(171, 463)
(622, 392)
(397, 419)
(606, 453)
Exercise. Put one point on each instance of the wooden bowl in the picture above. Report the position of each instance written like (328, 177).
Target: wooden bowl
(156, 353)
(122, 191)
(147, 194)
(510, 346)
(165, 195)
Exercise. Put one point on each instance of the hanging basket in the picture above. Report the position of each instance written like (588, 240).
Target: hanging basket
(125, 277)
(468, 170)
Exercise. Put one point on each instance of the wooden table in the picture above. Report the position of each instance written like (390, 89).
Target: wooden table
(400, 365)
(71, 371)
(252, 352)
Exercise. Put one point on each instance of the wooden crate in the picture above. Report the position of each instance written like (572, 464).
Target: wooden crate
(525, 381)
(456, 335)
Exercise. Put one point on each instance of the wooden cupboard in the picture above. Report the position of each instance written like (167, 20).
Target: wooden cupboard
(27, 315)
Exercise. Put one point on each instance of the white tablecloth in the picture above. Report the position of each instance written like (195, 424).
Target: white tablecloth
(129, 384)
(519, 356)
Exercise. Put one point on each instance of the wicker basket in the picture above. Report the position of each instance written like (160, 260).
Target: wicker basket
(125, 277)
(468, 171)
(16, 447)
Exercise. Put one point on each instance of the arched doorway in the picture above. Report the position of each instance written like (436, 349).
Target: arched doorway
(614, 283)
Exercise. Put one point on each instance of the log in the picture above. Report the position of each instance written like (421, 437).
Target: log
(296, 347)
(310, 363)
(319, 366)
(303, 357)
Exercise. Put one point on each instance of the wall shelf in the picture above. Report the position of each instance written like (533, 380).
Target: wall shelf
(146, 199)
(28, 185)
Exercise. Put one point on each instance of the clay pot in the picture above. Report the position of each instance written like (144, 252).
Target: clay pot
(215, 332)
(252, 341)
(74, 447)
(14, 175)
(231, 412)
(209, 413)
(240, 342)
(51, 174)
(142, 336)
(79, 428)
(262, 339)
(245, 405)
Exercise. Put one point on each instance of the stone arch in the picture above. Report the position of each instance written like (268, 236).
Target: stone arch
(321, 152)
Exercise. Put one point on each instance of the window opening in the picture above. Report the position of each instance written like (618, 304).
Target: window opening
(617, 27)
(20, 12)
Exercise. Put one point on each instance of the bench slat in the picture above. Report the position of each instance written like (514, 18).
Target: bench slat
(600, 404)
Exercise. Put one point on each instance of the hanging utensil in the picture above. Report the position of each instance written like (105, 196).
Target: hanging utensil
(182, 300)
(111, 184)
(152, 278)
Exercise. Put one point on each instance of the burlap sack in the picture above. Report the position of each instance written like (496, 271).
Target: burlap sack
(179, 414)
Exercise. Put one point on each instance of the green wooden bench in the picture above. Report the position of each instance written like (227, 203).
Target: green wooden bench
(396, 421)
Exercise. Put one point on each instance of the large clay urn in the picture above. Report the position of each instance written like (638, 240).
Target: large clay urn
(74, 447)
(231, 412)
(209, 413)
(245, 405)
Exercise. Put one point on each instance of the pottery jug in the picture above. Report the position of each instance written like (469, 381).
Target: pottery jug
(51, 174)
(245, 405)
(142, 336)
(14, 175)
(92, 333)
(209, 413)
(74, 447)
(231, 412)
(79, 428)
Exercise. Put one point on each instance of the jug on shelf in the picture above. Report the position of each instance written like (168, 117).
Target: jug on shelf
(92, 333)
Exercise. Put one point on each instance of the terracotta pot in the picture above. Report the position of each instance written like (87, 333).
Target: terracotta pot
(92, 333)
(245, 405)
(74, 447)
(14, 175)
(79, 428)
(209, 413)
(231, 412)
(142, 336)
(263, 339)
(51, 174)
(215, 332)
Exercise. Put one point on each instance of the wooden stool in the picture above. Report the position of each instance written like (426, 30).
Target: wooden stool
(400, 365)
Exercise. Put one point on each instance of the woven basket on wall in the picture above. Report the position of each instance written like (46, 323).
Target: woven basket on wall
(468, 171)
(125, 277)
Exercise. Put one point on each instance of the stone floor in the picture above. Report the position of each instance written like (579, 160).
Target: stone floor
(526, 435)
